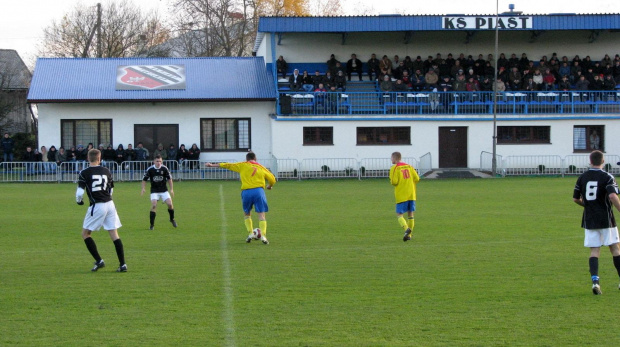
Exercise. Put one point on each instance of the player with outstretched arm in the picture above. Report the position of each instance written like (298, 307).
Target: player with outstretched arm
(597, 190)
(97, 182)
(404, 179)
(159, 175)
(253, 177)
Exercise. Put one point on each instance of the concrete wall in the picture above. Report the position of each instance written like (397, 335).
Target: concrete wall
(186, 115)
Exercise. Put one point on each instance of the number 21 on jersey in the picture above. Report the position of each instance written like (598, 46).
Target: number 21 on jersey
(100, 182)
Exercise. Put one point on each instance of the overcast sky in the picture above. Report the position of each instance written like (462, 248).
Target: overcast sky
(22, 21)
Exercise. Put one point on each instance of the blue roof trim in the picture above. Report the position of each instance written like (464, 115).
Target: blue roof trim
(426, 23)
(348, 118)
(207, 79)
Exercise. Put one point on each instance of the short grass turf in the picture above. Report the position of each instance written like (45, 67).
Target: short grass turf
(494, 262)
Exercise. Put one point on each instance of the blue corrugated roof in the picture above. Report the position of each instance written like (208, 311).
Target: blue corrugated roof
(207, 79)
(426, 23)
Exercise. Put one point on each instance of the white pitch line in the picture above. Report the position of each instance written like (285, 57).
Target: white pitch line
(229, 318)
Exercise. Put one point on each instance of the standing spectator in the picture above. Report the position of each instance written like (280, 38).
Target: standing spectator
(160, 151)
(159, 175)
(172, 152)
(409, 64)
(30, 158)
(332, 65)
(193, 154)
(418, 64)
(142, 154)
(253, 177)
(182, 155)
(120, 154)
(404, 178)
(387, 87)
(282, 66)
(513, 61)
(51, 158)
(307, 82)
(130, 153)
(333, 98)
(503, 62)
(616, 70)
(524, 62)
(450, 60)
(61, 156)
(102, 212)
(328, 79)
(354, 65)
(595, 140)
(319, 97)
(428, 63)
(109, 155)
(596, 191)
(8, 145)
(373, 67)
(80, 154)
(72, 154)
(295, 81)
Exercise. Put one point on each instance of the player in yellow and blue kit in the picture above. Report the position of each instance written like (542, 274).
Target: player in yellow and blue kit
(404, 179)
(253, 177)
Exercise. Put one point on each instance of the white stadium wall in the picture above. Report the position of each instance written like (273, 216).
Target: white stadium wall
(312, 48)
(288, 139)
(186, 114)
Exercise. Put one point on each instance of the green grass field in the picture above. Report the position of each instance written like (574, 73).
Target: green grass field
(496, 262)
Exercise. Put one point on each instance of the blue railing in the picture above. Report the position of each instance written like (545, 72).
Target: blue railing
(448, 103)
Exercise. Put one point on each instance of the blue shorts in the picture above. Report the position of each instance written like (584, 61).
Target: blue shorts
(254, 197)
(405, 206)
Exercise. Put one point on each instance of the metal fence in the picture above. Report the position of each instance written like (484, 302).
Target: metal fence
(486, 162)
(549, 164)
(196, 170)
(457, 103)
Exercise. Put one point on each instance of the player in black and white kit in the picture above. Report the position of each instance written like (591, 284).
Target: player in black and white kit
(97, 182)
(597, 190)
(159, 175)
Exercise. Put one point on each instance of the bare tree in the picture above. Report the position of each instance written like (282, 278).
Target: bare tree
(326, 8)
(125, 31)
(14, 83)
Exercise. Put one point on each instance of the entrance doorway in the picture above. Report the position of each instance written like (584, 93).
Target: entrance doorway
(452, 147)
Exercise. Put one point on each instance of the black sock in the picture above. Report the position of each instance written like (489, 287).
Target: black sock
(594, 269)
(153, 218)
(171, 213)
(120, 252)
(617, 263)
(92, 248)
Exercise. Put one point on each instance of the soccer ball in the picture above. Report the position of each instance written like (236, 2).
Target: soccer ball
(256, 234)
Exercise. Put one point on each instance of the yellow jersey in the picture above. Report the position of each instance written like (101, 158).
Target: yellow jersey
(253, 174)
(404, 178)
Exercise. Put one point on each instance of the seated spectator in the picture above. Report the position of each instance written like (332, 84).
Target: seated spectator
(564, 84)
(596, 84)
(490, 71)
(332, 65)
(397, 73)
(418, 64)
(449, 60)
(295, 81)
(606, 60)
(409, 64)
(486, 86)
(454, 70)
(417, 81)
(431, 79)
(193, 154)
(373, 67)
(500, 86)
(328, 80)
(317, 79)
(586, 63)
(395, 62)
(616, 70)
(142, 153)
(385, 66)
(564, 69)
(340, 81)
(514, 79)
(513, 61)
(537, 77)
(472, 84)
(333, 98)
(400, 87)
(61, 156)
(524, 62)
(339, 68)
(548, 80)
(502, 74)
(529, 85)
(407, 79)
(606, 70)
(575, 72)
(582, 84)
(609, 83)
(307, 82)
(386, 87)
(443, 68)
(282, 66)
(160, 151)
(503, 62)
(172, 152)
(354, 65)
(459, 84)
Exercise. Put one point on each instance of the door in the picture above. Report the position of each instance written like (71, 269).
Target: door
(152, 134)
(452, 147)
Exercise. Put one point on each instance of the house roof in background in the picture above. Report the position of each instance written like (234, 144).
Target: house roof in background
(96, 80)
(14, 74)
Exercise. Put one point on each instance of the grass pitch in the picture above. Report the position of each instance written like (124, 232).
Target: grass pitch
(497, 262)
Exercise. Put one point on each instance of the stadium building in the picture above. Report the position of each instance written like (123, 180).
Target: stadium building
(230, 105)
